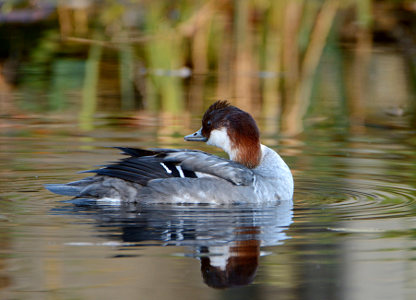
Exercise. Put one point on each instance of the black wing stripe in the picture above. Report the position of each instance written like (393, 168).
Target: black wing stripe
(141, 168)
(122, 175)
(190, 174)
(147, 166)
(133, 172)
(172, 168)
(153, 166)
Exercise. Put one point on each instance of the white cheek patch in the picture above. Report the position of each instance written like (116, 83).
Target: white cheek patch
(219, 138)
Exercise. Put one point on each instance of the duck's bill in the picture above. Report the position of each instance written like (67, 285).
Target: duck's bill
(196, 137)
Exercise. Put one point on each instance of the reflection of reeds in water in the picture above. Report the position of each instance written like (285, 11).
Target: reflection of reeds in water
(265, 55)
(89, 94)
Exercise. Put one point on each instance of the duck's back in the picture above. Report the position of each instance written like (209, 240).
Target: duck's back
(165, 176)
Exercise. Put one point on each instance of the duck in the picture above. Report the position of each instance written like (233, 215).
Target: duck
(253, 173)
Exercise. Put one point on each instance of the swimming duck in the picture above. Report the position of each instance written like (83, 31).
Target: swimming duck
(254, 173)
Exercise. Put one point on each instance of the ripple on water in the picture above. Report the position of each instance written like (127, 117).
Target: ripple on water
(360, 199)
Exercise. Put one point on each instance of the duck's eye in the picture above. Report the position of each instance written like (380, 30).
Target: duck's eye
(209, 123)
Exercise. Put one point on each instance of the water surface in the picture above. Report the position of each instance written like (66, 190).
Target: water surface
(332, 87)
(349, 233)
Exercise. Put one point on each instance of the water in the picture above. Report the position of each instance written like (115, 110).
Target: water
(333, 93)
(349, 233)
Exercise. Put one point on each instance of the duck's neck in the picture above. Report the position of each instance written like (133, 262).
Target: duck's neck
(242, 148)
(246, 153)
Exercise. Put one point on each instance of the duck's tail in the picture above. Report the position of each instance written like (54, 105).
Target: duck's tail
(75, 188)
(97, 187)
(64, 189)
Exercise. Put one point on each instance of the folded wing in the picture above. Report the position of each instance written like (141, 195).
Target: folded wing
(144, 165)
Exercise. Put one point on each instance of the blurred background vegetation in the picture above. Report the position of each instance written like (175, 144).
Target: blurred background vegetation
(350, 63)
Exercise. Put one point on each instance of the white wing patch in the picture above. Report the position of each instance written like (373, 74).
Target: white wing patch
(179, 168)
(204, 175)
(169, 171)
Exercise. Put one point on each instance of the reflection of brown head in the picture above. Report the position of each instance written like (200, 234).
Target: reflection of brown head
(240, 269)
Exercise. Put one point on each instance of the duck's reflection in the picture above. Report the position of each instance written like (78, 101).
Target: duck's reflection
(226, 240)
(234, 264)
